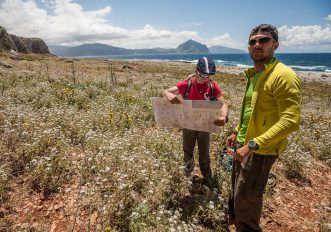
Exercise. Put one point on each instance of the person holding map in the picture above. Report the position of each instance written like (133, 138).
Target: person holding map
(199, 86)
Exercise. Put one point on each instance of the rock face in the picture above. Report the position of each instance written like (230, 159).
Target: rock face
(21, 44)
(35, 45)
(6, 42)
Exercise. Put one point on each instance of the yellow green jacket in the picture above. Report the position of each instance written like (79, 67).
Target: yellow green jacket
(275, 108)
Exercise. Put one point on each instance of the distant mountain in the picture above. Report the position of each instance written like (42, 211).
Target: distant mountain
(87, 50)
(192, 46)
(225, 50)
(97, 49)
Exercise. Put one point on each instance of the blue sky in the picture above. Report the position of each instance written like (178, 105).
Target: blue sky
(304, 25)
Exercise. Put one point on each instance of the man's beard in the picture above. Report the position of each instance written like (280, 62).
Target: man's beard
(259, 56)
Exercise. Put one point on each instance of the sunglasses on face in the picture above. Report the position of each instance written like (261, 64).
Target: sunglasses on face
(262, 40)
(202, 75)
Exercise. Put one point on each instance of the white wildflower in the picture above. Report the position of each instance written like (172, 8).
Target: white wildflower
(211, 205)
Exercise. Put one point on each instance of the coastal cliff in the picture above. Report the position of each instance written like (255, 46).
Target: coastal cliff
(21, 44)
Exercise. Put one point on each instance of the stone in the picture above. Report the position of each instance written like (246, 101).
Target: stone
(53, 227)
(36, 45)
(94, 218)
(13, 54)
(20, 45)
(6, 42)
(5, 64)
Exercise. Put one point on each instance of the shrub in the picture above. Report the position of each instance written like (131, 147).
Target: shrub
(4, 178)
(48, 173)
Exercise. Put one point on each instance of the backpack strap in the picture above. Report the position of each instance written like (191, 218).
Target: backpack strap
(212, 95)
(210, 82)
(188, 89)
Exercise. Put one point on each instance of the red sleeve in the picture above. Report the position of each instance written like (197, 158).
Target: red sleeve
(218, 93)
(182, 87)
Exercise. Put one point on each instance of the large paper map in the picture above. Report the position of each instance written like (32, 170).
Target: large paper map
(194, 115)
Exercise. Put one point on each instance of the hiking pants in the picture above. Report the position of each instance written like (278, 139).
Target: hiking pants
(248, 183)
(203, 139)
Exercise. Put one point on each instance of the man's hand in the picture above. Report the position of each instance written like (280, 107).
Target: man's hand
(242, 153)
(232, 140)
(220, 121)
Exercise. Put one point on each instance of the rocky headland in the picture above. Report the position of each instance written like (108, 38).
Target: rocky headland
(9, 42)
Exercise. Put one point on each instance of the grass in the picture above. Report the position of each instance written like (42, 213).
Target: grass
(85, 129)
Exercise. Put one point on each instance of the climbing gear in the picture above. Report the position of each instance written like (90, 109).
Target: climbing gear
(226, 159)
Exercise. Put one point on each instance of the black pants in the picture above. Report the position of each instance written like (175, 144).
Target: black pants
(203, 139)
(248, 183)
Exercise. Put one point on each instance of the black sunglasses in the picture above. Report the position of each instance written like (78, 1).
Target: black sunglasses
(262, 40)
(203, 75)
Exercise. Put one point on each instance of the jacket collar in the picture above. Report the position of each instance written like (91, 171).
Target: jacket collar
(251, 73)
(267, 67)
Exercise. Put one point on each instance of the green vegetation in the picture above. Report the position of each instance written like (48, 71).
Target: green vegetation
(85, 130)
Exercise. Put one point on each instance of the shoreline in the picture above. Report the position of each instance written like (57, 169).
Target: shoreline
(304, 75)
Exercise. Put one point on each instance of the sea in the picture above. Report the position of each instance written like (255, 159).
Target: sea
(310, 62)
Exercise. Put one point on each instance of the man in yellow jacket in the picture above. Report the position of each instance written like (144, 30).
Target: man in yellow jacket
(270, 112)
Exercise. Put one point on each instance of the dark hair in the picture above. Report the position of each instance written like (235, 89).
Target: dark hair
(265, 28)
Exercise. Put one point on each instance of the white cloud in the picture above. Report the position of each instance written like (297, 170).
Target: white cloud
(67, 23)
(227, 41)
(149, 37)
(329, 17)
(311, 38)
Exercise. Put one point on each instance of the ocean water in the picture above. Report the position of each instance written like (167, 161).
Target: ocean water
(317, 62)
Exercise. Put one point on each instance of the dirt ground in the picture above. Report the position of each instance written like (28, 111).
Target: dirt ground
(299, 205)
